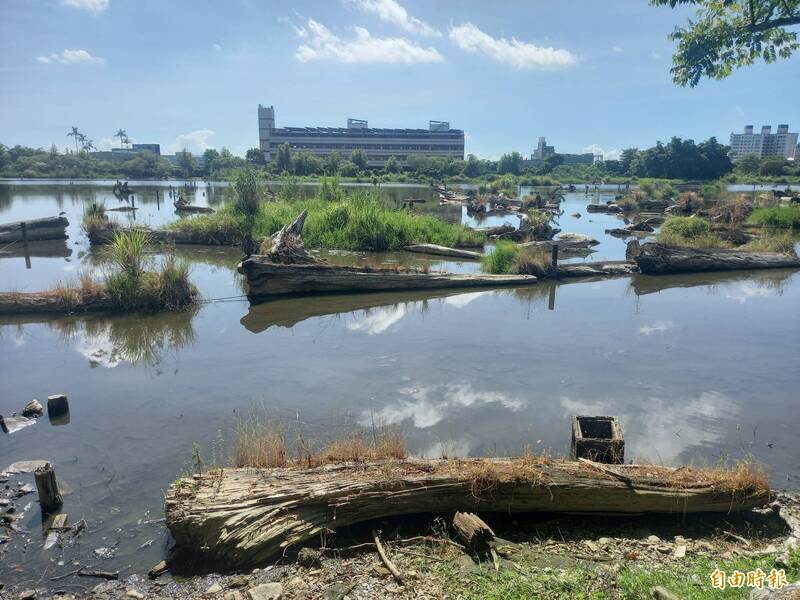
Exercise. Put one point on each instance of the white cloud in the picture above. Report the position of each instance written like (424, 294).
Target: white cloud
(380, 319)
(658, 327)
(69, 57)
(616, 49)
(427, 406)
(391, 12)
(195, 142)
(655, 55)
(606, 154)
(323, 44)
(94, 6)
(216, 46)
(522, 55)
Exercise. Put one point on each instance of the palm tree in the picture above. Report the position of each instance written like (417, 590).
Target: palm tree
(87, 144)
(123, 137)
(77, 135)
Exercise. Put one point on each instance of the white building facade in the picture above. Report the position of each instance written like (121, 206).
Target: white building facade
(781, 143)
(378, 144)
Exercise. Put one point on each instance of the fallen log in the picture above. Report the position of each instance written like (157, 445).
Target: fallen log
(190, 208)
(498, 230)
(267, 279)
(473, 530)
(53, 303)
(656, 259)
(443, 251)
(242, 517)
(48, 228)
(104, 235)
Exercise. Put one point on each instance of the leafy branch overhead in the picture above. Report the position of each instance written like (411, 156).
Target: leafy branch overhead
(728, 34)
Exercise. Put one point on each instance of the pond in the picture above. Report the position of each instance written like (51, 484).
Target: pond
(699, 368)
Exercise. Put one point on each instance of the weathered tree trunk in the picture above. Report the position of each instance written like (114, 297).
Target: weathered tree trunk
(47, 487)
(102, 236)
(12, 303)
(267, 279)
(48, 228)
(286, 245)
(477, 535)
(244, 516)
(656, 259)
(443, 251)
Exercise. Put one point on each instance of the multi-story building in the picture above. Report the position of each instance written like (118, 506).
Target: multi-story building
(377, 144)
(543, 151)
(782, 143)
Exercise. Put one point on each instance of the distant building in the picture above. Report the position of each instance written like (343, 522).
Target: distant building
(377, 144)
(543, 151)
(121, 154)
(199, 160)
(781, 143)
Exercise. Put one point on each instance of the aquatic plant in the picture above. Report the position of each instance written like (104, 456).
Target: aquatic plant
(502, 259)
(249, 192)
(778, 216)
(128, 251)
(772, 243)
(685, 227)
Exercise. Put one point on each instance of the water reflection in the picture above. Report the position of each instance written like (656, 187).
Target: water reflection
(426, 406)
(737, 285)
(136, 340)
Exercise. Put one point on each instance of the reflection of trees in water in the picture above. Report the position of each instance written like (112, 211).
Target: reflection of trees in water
(140, 339)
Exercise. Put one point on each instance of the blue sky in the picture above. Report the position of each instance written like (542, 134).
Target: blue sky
(192, 72)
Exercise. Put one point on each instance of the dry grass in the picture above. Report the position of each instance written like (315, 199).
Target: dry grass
(262, 443)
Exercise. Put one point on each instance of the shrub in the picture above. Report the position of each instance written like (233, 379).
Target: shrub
(685, 227)
(249, 191)
(223, 226)
(772, 243)
(502, 259)
(777, 216)
(128, 251)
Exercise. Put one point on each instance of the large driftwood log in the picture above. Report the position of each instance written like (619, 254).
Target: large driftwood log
(100, 236)
(48, 228)
(655, 259)
(267, 279)
(244, 516)
(51, 303)
(443, 251)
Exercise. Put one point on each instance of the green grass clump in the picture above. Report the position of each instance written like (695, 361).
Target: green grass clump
(134, 284)
(772, 243)
(224, 226)
(777, 216)
(503, 259)
(360, 222)
(685, 227)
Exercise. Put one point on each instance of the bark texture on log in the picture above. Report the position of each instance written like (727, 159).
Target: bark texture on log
(654, 259)
(286, 245)
(477, 535)
(167, 236)
(267, 279)
(443, 251)
(244, 516)
(47, 488)
(48, 228)
(50, 303)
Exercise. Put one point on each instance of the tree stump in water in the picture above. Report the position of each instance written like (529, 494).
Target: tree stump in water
(47, 487)
(286, 246)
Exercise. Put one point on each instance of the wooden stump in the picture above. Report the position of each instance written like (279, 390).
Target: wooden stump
(477, 535)
(47, 487)
(58, 409)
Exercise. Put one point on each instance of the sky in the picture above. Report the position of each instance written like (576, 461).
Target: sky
(589, 75)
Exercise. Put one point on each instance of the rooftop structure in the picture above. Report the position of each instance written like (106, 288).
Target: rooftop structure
(378, 144)
(543, 151)
(781, 143)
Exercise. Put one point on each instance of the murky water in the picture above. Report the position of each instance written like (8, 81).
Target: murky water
(698, 368)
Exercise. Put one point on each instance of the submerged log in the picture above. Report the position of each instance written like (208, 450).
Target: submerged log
(267, 279)
(48, 228)
(654, 259)
(443, 251)
(243, 517)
